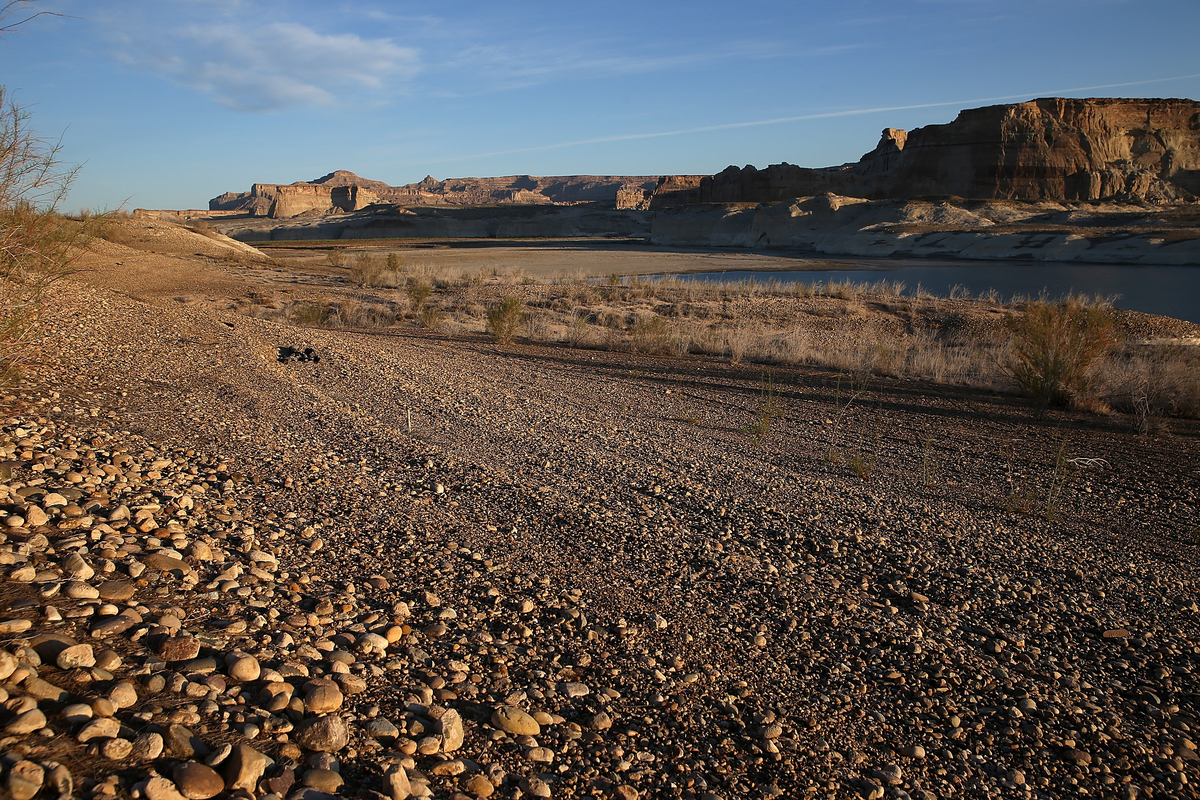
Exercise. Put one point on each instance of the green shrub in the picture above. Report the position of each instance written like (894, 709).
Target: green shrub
(505, 319)
(418, 292)
(1055, 346)
(394, 263)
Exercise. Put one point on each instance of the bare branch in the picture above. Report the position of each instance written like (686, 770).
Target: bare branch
(12, 7)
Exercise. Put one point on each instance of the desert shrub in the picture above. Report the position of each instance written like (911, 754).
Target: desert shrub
(350, 314)
(505, 319)
(367, 270)
(1054, 345)
(336, 258)
(1152, 382)
(37, 245)
(418, 292)
(651, 334)
(579, 330)
(394, 263)
(431, 317)
(309, 315)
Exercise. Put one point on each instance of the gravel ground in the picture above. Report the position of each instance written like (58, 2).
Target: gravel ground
(434, 566)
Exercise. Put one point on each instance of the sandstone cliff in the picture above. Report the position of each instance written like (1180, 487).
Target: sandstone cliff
(1053, 149)
(342, 192)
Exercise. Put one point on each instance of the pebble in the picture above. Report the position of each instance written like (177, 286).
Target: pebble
(244, 768)
(450, 727)
(242, 668)
(395, 783)
(80, 655)
(25, 779)
(323, 697)
(515, 721)
(197, 781)
(26, 723)
(323, 734)
(102, 728)
(324, 780)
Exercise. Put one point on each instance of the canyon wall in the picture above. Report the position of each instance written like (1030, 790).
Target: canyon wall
(1048, 149)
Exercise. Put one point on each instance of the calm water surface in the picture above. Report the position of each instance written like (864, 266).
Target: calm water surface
(1170, 291)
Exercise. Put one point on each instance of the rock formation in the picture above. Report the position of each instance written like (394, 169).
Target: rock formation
(344, 191)
(1053, 149)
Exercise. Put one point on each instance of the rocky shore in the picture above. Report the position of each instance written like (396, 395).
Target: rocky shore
(434, 566)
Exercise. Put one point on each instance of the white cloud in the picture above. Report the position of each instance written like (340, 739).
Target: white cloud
(275, 65)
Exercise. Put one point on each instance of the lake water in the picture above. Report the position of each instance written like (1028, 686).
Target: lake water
(1170, 291)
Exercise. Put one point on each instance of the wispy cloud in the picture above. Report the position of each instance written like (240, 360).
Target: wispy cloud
(850, 112)
(274, 65)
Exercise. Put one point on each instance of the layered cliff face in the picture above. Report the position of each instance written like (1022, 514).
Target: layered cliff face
(1049, 149)
(344, 191)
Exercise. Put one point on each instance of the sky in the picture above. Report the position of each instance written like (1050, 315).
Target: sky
(168, 103)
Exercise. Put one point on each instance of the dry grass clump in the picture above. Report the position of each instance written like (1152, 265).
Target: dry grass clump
(369, 270)
(342, 313)
(1151, 382)
(1055, 346)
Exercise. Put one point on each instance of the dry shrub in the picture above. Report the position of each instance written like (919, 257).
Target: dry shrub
(339, 313)
(652, 334)
(309, 315)
(371, 270)
(431, 317)
(505, 319)
(37, 245)
(418, 291)
(352, 314)
(1152, 382)
(1055, 345)
(580, 331)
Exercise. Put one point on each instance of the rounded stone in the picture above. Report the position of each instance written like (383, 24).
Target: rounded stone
(323, 698)
(242, 668)
(117, 749)
(324, 780)
(80, 655)
(479, 786)
(179, 648)
(32, 720)
(102, 728)
(196, 781)
(515, 721)
(323, 734)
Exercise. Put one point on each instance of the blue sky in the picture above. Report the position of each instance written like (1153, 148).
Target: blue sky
(168, 103)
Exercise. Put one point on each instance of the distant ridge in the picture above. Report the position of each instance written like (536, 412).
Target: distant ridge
(1057, 149)
(342, 191)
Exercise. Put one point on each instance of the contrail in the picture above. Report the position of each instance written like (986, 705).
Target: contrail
(782, 120)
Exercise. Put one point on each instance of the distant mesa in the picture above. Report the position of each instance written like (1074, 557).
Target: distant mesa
(1053, 149)
(344, 192)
